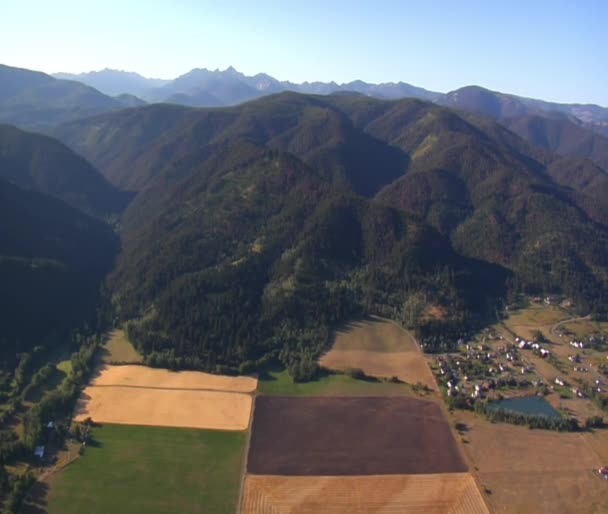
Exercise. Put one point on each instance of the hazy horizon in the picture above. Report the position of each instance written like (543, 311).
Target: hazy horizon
(548, 50)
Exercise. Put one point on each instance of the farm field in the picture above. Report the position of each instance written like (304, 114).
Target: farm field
(118, 349)
(455, 493)
(534, 470)
(381, 349)
(328, 384)
(137, 395)
(351, 436)
(165, 407)
(137, 470)
(142, 376)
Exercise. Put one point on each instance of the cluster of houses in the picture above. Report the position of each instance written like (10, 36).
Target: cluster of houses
(474, 373)
(577, 344)
(522, 344)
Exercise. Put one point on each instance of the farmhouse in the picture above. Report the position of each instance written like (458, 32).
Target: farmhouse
(39, 452)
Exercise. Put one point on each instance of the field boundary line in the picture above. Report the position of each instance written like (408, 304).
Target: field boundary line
(158, 388)
(239, 505)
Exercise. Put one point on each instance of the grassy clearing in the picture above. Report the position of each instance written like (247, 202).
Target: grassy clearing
(584, 328)
(152, 470)
(65, 366)
(537, 316)
(119, 349)
(277, 382)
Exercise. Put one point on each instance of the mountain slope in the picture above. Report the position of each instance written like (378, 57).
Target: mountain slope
(43, 164)
(561, 135)
(52, 261)
(254, 259)
(566, 129)
(256, 227)
(35, 100)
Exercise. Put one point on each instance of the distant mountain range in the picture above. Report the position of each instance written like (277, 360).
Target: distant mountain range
(35, 101)
(206, 88)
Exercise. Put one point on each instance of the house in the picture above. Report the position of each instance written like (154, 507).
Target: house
(560, 381)
(39, 452)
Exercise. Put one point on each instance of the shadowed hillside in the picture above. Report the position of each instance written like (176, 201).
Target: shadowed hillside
(52, 261)
(43, 164)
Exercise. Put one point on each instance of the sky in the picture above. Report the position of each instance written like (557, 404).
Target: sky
(555, 50)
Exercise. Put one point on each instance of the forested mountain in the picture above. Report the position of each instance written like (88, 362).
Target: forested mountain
(34, 100)
(52, 260)
(257, 227)
(43, 164)
(561, 135)
(567, 129)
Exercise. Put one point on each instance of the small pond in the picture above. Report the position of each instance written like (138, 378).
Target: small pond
(530, 405)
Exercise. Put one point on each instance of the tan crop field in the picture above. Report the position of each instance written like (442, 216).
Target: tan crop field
(165, 407)
(137, 395)
(455, 493)
(534, 471)
(381, 349)
(142, 376)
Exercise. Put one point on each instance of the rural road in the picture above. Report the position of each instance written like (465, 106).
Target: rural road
(569, 320)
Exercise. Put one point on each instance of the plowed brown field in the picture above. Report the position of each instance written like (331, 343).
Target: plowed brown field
(381, 349)
(306, 436)
(454, 493)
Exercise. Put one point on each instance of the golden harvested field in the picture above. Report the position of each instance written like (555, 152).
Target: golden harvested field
(534, 471)
(381, 349)
(454, 493)
(165, 407)
(119, 349)
(142, 376)
(407, 366)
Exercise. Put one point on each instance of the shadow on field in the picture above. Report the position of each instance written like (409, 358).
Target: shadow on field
(36, 501)
(81, 404)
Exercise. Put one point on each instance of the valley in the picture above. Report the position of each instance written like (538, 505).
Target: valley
(265, 297)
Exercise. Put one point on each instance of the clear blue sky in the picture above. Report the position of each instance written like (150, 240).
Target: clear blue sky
(556, 50)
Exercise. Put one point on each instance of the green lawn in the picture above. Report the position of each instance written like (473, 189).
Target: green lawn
(280, 383)
(152, 470)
